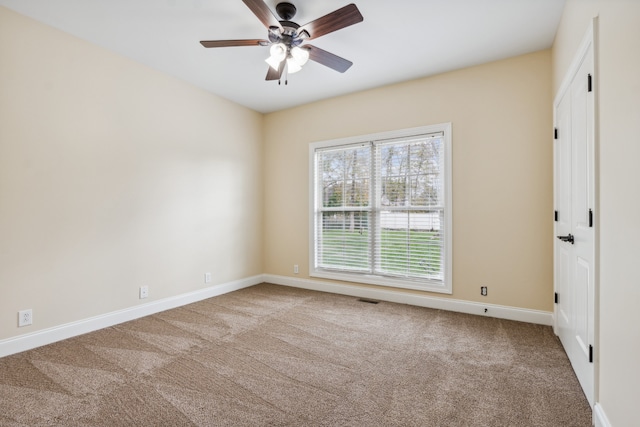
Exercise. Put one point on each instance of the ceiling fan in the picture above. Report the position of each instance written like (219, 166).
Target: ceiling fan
(286, 38)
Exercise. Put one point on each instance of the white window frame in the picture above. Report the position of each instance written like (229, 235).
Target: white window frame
(444, 286)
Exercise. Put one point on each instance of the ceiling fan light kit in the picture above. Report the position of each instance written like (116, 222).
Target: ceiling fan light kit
(278, 53)
(296, 57)
(300, 54)
(286, 38)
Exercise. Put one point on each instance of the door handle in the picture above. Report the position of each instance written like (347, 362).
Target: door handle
(569, 238)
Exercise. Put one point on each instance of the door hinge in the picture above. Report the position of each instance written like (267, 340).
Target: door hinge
(555, 297)
(555, 216)
(590, 218)
(555, 133)
(589, 83)
(590, 353)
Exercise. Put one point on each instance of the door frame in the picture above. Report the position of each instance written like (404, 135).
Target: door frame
(589, 41)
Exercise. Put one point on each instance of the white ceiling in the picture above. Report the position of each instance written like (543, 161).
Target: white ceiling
(399, 40)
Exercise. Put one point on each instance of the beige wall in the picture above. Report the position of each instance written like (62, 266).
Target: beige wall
(502, 172)
(114, 176)
(619, 110)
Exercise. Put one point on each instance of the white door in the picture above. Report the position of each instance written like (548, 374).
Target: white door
(563, 250)
(574, 185)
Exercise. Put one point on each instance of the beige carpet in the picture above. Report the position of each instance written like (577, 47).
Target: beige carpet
(277, 356)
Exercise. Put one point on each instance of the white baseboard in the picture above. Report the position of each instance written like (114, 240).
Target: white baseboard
(47, 336)
(58, 333)
(599, 417)
(492, 310)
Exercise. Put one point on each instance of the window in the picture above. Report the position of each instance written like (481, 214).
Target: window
(381, 209)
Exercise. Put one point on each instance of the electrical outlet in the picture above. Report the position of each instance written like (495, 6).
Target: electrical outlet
(483, 291)
(295, 269)
(25, 317)
(144, 292)
(207, 277)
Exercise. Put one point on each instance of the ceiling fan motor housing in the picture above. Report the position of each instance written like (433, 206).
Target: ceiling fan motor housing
(286, 11)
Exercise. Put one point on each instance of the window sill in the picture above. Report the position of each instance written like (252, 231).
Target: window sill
(420, 285)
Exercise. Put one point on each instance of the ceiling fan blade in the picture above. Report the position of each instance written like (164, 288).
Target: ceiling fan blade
(276, 75)
(328, 59)
(264, 14)
(229, 43)
(334, 21)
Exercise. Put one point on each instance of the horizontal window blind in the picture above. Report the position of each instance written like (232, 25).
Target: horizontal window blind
(410, 207)
(343, 218)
